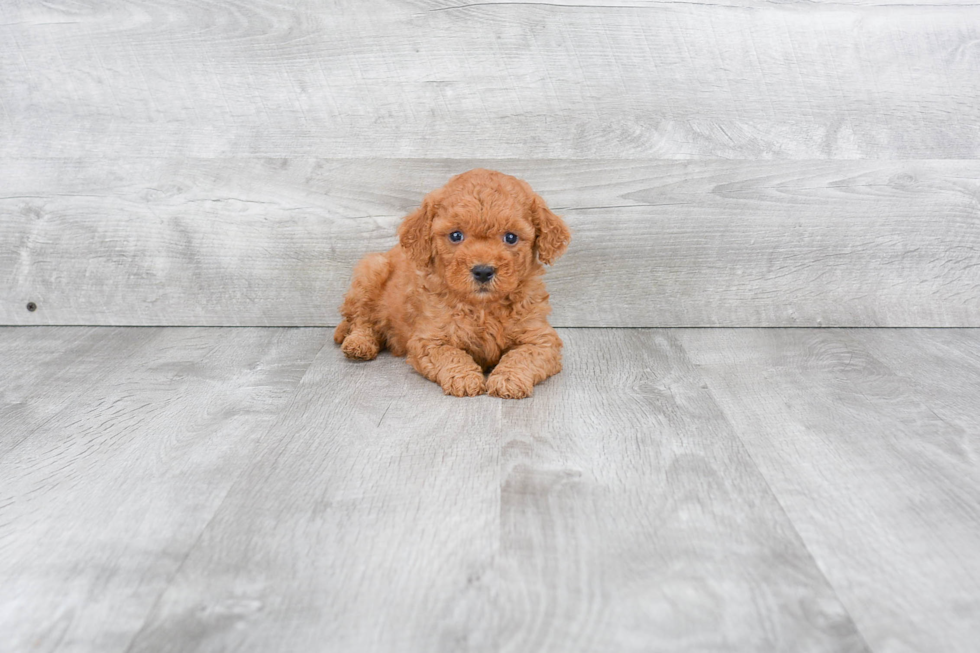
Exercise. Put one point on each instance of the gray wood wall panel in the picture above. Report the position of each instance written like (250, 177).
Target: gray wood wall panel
(242, 241)
(740, 163)
(397, 78)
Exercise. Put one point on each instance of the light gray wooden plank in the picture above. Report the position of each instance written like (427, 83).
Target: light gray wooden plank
(366, 524)
(389, 517)
(46, 371)
(942, 367)
(120, 471)
(787, 80)
(633, 519)
(788, 5)
(32, 357)
(884, 491)
(272, 242)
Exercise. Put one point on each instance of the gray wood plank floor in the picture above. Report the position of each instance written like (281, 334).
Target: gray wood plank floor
(208, 489)
(882, 487)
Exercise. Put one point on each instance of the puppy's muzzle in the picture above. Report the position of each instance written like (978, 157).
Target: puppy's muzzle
(483, 273)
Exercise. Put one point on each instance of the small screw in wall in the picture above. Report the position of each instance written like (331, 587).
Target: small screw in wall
(31, 306)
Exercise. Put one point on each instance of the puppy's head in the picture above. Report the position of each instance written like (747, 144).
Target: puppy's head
(483, 233)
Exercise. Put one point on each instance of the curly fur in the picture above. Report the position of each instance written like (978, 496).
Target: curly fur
(420, 299)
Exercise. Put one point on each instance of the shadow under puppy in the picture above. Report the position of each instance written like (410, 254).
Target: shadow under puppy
(462, 291)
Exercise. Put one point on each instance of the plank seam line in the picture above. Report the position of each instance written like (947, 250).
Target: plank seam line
(287, 405)
(741, 444)
(183, 561)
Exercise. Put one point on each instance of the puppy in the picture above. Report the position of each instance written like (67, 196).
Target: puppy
(462, 294)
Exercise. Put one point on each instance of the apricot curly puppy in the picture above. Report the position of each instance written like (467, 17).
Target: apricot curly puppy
(462, 292)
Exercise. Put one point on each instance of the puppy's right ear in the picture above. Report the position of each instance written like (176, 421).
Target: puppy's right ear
(415, 234)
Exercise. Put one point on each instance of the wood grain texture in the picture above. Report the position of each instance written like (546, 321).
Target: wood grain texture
(435, 79)
(272, 242)
(36, 382)
(117, 463)
(386, 516)
(883, 488)
(685, 490)
(366, 524)
(942, 368)
(633, 519)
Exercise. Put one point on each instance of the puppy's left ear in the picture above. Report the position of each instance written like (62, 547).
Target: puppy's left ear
(551, 234)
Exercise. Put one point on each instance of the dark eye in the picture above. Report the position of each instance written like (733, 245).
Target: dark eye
(456, 237)
(510, 238)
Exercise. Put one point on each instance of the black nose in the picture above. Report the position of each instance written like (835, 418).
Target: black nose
(482, 273)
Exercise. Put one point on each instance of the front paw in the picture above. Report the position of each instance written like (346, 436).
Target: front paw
(469, 384)
(509, 386)
(360, 346)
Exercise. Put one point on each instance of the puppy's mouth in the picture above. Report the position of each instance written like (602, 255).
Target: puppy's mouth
(485, 290)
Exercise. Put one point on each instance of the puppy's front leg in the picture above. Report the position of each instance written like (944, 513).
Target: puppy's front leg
(451, 367)
(525, 365)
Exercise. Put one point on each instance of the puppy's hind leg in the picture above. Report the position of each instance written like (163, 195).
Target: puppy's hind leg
(358, 334)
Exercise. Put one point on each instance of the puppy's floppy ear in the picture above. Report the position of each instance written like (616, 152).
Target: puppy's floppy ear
(551, 235)
(415, 233)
